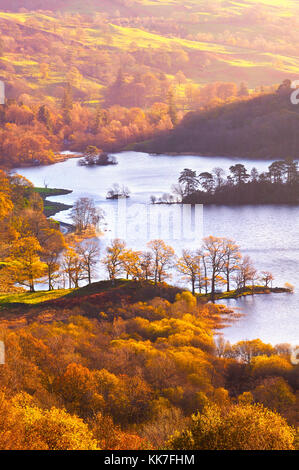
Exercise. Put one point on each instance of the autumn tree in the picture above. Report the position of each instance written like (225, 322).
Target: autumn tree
(110, 436)
(163, 258)
(246, 272)
(6, 204)
(275, 393)
(131, 261)
(90, 154)
(24, 262)
(51, 253)
(240, 427)
(267, 278)
(246, 350)
(72, 267)
(77, 387)
(189, 266)
(113, 261)
(27, 427)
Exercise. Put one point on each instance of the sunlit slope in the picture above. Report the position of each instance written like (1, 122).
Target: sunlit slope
(228, 60)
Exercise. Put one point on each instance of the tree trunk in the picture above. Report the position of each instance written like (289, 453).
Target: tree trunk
(205, 271)
(213, 288)
(227, 283)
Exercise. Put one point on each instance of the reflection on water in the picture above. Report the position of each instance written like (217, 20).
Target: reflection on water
(268, 234)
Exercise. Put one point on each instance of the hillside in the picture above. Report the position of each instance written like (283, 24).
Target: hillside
(264, 127)
(137, 375)
(126, 364)
(58, 304)
(230, 41)
(124, 75)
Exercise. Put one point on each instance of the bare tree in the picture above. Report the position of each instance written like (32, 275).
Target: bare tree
(223, 347)
(84, 214)
(215, 255)
(267, 278)
(204, 259)
(246, 272)
(219, 176)
(117, 192)
(146, 265)
(89, 252)
(232, 258)
(178, 190)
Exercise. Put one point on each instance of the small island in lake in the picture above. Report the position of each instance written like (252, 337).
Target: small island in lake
(95, 157)
(278, 185)
(118, 192)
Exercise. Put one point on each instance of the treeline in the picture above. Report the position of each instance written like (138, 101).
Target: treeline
(31, 135)
(33, 250)
(30, 244)
(278, 185)
(218, 263)
(68, 86)
(263, 127)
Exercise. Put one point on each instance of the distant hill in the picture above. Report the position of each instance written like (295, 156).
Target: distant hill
(264, 127)
(247, 41)
(70, 5)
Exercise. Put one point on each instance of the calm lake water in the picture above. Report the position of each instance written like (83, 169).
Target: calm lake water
(268, 234)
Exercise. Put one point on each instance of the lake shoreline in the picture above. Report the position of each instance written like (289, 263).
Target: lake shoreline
(52, 208)
(256, 290)
(267, 233)
(206, 155)
(67, 154)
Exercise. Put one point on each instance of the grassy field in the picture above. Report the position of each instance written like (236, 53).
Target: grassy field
(127, 286)
(228, 62)
(51, 207)
(31, 298)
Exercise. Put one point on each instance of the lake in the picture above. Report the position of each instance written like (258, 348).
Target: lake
(268, 234)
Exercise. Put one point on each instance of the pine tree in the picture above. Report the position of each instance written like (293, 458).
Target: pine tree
(45, 117)
(67, 103)
(172, 108)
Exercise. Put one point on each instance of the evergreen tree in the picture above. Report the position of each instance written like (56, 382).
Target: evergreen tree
(67, 103)
(172, 108)
(45, 117)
